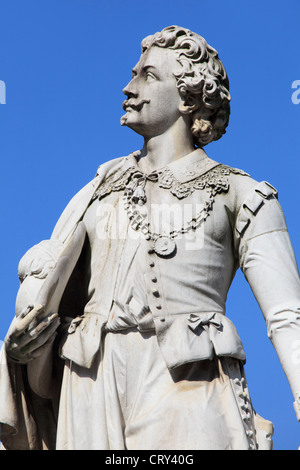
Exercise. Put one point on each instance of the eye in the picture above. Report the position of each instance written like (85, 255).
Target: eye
(149, 76)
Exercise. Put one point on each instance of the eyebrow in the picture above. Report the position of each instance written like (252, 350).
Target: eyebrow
(144, 68)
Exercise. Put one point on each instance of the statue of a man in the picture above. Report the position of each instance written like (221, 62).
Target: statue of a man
(120, 339)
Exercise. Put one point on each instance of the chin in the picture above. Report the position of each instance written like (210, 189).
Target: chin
(131, 123)
(123, 120)
(126, 120)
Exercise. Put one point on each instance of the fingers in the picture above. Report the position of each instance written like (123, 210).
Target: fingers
(26, 310)
(36, 330)
(28, 338)
(26, 318)
(41, 340)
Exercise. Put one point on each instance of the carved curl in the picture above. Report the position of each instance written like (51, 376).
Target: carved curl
(202, 83)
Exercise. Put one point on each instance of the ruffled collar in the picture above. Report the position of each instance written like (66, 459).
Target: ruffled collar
(185, 169)
(182, 177)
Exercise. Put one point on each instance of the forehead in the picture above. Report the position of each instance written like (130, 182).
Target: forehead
(162, 59)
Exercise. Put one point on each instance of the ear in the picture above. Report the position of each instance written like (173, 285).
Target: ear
(188, 105)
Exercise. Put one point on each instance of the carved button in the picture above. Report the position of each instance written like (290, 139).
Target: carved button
(152, 264)
(74, 323)
(158, 307)
(246, 416)
(162, 319)
(155, 293)
(154, 279)
(151, 251)
(245, 408)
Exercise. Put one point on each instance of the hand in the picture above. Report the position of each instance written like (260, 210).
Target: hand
(30, 334)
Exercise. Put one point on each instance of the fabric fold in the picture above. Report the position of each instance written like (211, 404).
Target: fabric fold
(83, 339)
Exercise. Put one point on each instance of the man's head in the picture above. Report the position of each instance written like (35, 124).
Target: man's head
(200, 78)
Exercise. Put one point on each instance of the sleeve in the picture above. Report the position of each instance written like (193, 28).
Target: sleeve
(268, 262)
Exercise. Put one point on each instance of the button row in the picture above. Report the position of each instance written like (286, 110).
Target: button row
(155, 292)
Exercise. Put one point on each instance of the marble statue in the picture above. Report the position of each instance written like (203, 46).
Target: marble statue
(120, 339)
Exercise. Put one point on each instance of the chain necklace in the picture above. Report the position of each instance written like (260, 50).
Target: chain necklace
(133, 182)
(163, 244)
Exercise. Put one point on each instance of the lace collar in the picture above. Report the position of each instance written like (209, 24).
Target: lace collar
(195, 171)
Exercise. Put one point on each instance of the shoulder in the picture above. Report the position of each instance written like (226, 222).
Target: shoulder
(77, 206)
(246, 198)
(245, 190)
(253, 200)
(111, 167)
(239, 180)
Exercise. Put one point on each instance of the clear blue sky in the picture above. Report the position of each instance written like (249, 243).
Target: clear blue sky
(64, 64)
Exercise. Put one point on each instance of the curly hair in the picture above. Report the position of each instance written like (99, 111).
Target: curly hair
(202, 83)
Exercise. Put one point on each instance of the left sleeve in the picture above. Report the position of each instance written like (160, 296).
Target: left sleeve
(268, 262)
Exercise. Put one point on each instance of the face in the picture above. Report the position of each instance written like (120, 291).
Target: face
(153, 103)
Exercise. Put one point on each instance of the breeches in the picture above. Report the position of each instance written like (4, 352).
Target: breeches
(128, 399)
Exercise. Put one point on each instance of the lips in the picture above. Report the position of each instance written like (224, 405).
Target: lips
(127, 105)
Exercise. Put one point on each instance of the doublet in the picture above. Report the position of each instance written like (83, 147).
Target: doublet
(181, 296)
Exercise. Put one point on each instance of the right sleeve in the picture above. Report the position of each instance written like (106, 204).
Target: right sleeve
(76, 208)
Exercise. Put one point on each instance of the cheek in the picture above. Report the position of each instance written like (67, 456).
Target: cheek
(166, 101)
(170, 96)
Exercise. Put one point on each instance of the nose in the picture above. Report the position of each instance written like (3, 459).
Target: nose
(130, 89)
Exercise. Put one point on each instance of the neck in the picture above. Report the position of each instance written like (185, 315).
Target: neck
(160, 150)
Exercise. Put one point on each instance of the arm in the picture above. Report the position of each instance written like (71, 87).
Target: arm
(268, 262)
